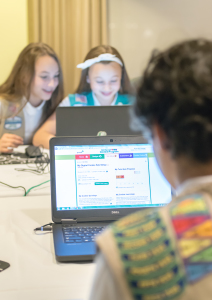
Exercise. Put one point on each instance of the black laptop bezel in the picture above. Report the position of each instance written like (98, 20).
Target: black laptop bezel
(88, 215)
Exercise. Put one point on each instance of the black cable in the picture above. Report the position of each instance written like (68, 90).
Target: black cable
(46, 227)
(11, 159)
(41, 163)
(15, 187)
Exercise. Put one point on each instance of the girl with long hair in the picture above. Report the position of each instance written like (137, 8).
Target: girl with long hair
(30, 95)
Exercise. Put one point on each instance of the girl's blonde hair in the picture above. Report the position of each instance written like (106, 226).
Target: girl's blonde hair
(18, 83)
(84, 86)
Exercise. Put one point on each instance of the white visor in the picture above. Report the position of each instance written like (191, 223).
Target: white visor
(101, 57)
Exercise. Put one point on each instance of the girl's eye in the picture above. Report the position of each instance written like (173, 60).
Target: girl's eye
(57, 76)
(99, 82)
(113, 81)
(43, 77)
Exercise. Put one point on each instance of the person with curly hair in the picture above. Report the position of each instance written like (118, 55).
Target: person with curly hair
(166, 253)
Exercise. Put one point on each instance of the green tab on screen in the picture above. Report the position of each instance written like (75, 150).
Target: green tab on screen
(97, 156)
(151, 154)
(101, 183)
(64, 157)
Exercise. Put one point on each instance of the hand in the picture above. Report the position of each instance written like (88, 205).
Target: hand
(10, 141)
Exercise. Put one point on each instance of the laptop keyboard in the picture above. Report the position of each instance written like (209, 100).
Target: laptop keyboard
(73, 234)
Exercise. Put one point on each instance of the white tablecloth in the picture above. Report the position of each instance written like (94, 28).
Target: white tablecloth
(9, 175)
(34, 272)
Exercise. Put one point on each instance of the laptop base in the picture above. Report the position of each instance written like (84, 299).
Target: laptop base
(74, 252)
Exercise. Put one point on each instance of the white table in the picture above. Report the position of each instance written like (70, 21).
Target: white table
(9, 175)
(34, 272)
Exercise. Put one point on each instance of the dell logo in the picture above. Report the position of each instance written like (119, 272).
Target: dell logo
(114, 212)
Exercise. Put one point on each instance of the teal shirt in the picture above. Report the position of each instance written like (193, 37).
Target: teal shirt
(86, 99)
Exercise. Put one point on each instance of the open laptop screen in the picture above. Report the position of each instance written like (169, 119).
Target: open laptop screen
(108, 176)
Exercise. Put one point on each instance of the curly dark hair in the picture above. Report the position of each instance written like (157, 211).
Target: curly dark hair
(176, 93)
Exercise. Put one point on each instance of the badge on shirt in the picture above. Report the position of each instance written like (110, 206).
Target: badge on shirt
(13, 123)
(81, 99)
(151, 266)
(192, 222)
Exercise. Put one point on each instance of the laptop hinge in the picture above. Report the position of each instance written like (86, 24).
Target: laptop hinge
(69, 221)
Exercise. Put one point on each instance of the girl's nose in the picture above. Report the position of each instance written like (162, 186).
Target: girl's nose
(106, 87)
(51, 83)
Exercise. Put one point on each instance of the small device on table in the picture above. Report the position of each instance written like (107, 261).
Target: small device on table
(3, 265)
(33, 151)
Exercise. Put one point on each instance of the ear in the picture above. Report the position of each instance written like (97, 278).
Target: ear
(88, 79)
(161, 137)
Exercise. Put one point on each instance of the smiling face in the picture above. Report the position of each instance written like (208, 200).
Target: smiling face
(45, 80)
(105, 81)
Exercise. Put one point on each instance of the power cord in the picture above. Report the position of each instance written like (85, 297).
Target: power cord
(41, 164)
(47, 228)
(15, 187)
(26, 192)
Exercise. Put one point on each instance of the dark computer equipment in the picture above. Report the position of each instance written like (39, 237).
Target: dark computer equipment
(33, 151)
(90, 120)
(95, 181)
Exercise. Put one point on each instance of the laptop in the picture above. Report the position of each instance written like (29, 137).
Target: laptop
(95, 181)
(89, 120)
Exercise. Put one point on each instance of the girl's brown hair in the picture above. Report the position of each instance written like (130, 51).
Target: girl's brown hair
(18, 84)
(84, 86)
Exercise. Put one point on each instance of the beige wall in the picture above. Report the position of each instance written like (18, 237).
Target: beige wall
(135, 28)
(13, 33)
(138, 26)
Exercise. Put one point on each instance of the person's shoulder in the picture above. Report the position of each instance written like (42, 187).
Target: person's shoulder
(125, 99)
(190, 205)
(4, 101)
(166, 248)
(146, 254)
(196, 201)
(191, 222)
(1, 104)
(12, 107)
(65, 102)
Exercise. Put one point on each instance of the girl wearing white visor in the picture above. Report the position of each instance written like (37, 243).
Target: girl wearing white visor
(104, 81)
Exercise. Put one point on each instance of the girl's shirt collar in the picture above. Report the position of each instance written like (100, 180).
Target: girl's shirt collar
(96, 101)
(31, 110)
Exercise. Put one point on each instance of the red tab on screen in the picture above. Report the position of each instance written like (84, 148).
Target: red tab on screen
(82, 156)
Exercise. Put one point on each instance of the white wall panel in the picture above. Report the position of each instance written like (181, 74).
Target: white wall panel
(136, 27)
